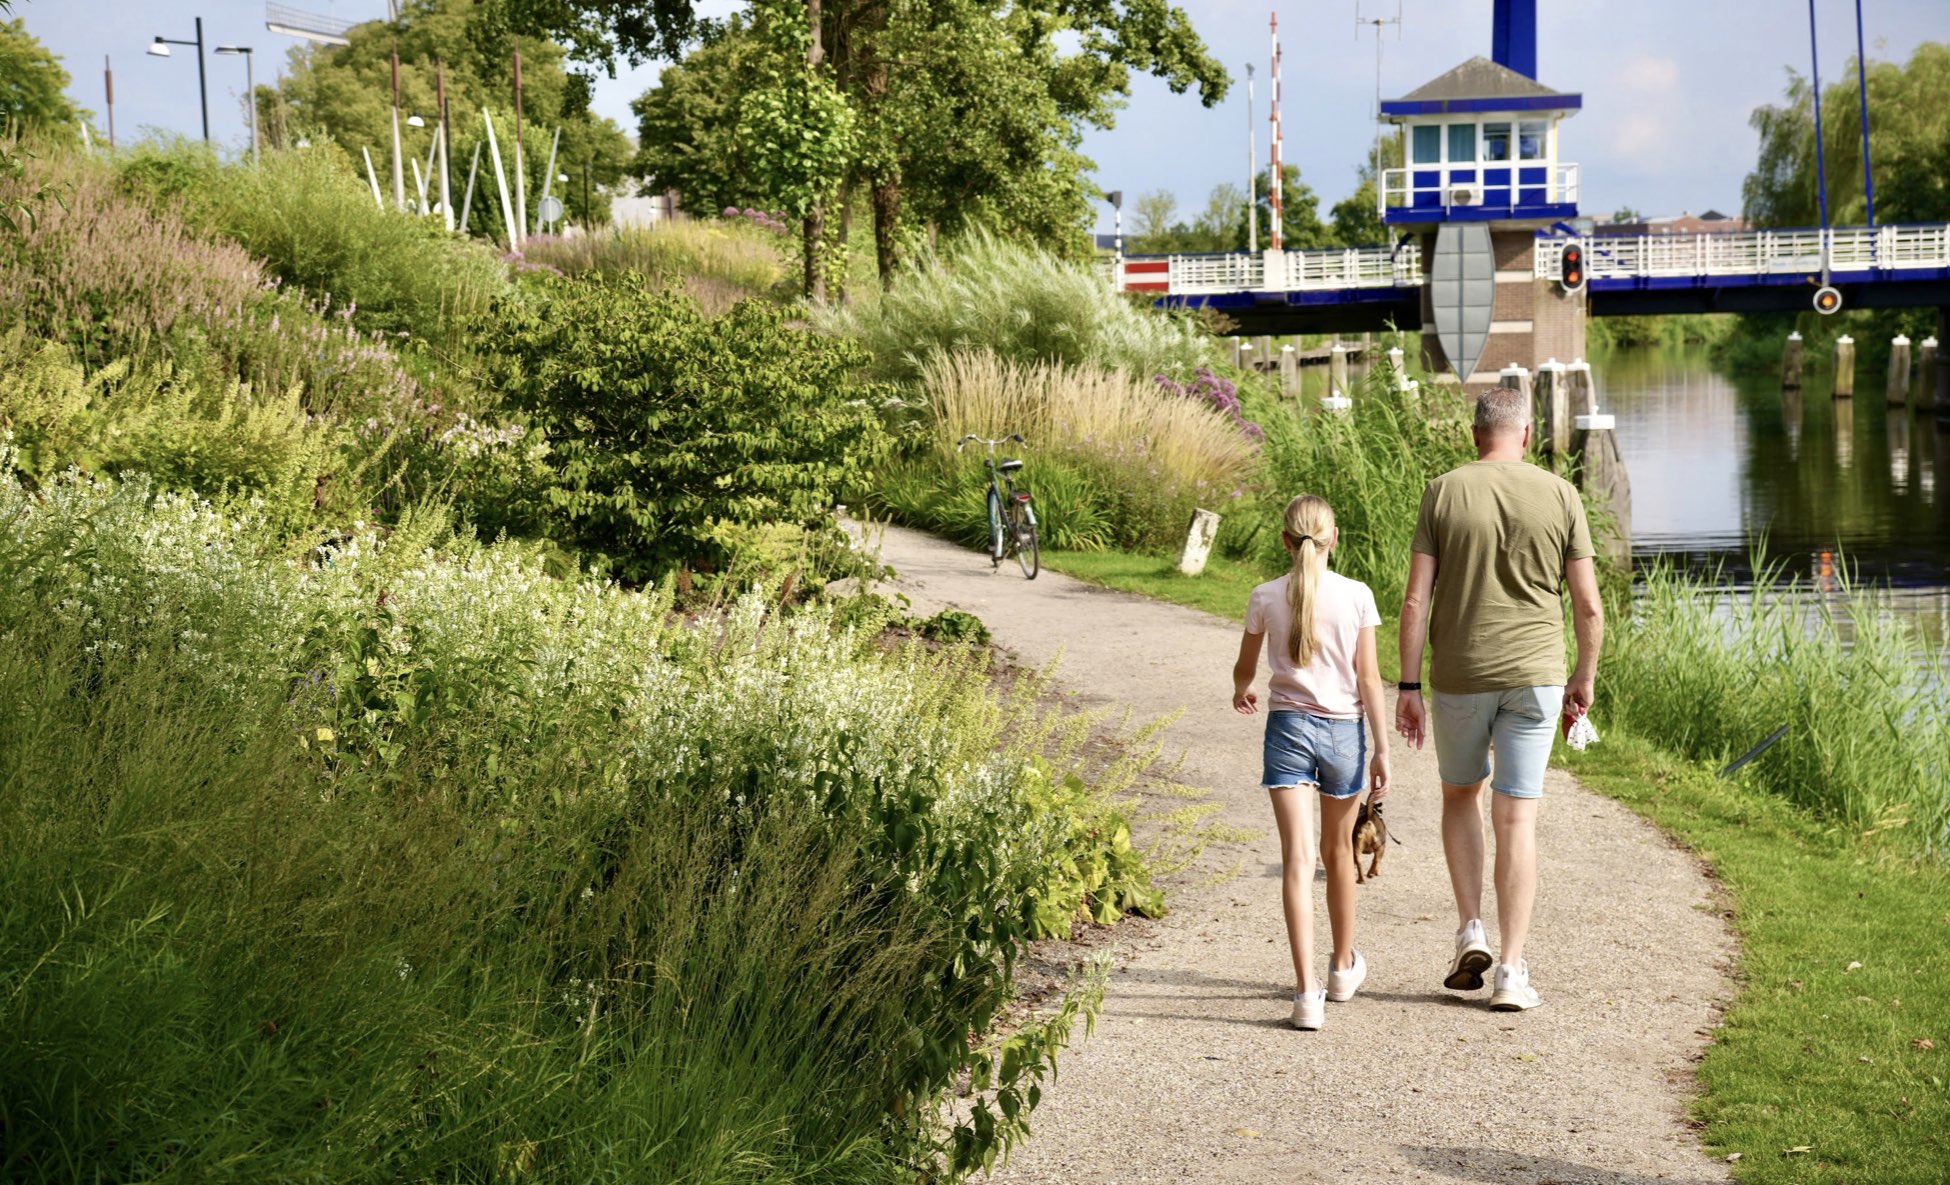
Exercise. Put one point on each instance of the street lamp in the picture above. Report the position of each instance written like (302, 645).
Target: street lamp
(250, 84)
(159, 48)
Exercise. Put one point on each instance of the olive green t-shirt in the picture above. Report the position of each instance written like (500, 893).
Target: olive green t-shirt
(1501, 533)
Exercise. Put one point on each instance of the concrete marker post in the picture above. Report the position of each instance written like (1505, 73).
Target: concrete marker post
(1844, 367)
(1200, 534)
(1898, 386)
(1791, 362)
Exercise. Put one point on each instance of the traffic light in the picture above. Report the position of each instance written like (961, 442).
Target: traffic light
(1827, 299)
(1571, 267)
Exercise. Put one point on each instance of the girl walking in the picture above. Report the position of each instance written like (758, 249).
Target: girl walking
(1317, 627)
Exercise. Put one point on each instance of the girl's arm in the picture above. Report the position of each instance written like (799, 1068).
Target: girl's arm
(1244, 699)
(1367, 672)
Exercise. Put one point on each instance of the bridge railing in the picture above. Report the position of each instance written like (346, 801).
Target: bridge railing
(1751, 253)
(1283, 271)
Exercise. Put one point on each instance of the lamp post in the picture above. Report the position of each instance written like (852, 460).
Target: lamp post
(250, 85)
(159, 48)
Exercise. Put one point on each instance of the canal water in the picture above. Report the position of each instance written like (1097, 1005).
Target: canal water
(1725, 463)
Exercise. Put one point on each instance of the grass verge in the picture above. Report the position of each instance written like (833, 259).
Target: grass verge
(1833, 1064)
(1221, 589)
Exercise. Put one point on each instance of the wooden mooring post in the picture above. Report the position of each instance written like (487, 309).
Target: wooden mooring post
(1553, 410)
(1289, 372)
(1844, 367)
(1898, 385)
(1926, 364)
(1791, 362)
(1600, 466)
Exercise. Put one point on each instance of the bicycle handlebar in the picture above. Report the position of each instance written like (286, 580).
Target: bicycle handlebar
(1015, 436)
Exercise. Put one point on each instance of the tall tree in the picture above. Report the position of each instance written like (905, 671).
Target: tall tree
(1909, 133)
(34, 87)
(1301, 227)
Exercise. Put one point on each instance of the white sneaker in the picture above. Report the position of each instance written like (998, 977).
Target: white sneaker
(1341, 985)
(1309, 1010)
(1513, 992)
(1472, 958)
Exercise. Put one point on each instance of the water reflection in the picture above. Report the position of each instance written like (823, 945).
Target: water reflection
(1719, 463)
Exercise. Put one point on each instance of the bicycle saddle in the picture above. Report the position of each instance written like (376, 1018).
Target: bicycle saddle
(1008, 465)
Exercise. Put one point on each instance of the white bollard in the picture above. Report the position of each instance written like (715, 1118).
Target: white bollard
(1200, 534)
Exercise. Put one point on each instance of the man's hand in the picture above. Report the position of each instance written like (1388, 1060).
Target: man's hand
(1379, 775)
(1578, 694)
(1410, 717)
(1245, 701)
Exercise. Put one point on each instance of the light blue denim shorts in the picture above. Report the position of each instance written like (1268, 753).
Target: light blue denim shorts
(1519, 724)
(1331, 755)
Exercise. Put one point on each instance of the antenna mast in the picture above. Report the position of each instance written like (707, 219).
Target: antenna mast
(1377, 22)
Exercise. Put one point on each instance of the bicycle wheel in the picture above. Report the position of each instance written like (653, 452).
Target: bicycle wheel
(1029, 553)
(995, 528)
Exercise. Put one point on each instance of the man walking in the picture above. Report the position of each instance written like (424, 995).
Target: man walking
(1495, 542)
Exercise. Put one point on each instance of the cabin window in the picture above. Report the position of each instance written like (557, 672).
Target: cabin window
(1496, 141)
(1428, 144)
(1462, 143)
(1533, 135)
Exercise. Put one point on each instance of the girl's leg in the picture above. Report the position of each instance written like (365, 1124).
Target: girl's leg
(1292, 812)
(1337, 852)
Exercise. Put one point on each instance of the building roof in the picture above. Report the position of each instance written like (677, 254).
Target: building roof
(1481, 85)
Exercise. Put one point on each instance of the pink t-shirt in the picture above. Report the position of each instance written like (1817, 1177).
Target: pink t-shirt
(1326, 686)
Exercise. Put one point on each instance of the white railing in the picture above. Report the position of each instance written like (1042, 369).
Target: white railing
(1283, 271)
(1751, 253)
(1445, 187)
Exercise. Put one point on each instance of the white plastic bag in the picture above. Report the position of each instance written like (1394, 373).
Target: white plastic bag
(1581, 734)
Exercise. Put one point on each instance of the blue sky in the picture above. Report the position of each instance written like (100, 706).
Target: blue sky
(1667, 84)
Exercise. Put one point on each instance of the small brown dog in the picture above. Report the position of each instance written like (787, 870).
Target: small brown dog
(1370, 837)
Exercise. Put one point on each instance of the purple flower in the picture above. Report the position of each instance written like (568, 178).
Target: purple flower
(731, 211)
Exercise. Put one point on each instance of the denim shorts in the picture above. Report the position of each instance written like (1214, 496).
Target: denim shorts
(1331, 755)
(1519, 724)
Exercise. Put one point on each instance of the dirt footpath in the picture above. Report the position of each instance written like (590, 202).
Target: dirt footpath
(1194, 1075)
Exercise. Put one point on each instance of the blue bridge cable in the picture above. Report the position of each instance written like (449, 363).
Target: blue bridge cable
(1862, 92)
(1821, 174)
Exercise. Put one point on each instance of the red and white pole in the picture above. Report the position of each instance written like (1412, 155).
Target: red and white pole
(1273, 194)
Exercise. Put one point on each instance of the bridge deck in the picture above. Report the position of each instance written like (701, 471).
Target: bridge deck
(1360, 288)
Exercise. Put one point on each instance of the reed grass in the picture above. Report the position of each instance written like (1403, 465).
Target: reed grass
(1022, 303)
(1711, 672)
(715, 262)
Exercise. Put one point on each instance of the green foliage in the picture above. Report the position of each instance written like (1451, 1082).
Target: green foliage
(954, 625)
(1868, 744)
(687, 125)
(33, 88)
(1834, 1044)
(189, 432)
(1301, 227)
(665, 424)
(1371, 465)
(316, 228)
(1025, 305)
(409, 862)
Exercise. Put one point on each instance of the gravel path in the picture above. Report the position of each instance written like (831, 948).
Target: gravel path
(1194, 1075)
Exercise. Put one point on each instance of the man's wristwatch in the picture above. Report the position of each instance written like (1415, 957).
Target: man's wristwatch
(1409, 685)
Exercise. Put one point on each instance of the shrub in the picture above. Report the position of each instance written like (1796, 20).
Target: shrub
(211, 435)
(716, 263)
(1025, 305)
(412, 864)
(665, 425)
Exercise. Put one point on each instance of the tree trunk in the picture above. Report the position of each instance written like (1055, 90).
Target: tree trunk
(840, 293)
(886, 197)
(815, 226)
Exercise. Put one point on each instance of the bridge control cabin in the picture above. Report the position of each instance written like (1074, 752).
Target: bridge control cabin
(1480, 144)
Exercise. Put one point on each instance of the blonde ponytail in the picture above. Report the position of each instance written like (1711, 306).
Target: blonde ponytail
(1307, 524)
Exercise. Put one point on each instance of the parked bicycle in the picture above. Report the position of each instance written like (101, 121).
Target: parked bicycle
(1012, 521)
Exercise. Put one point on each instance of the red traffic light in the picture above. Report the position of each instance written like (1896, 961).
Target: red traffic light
(1571, 267)
(1828, 299)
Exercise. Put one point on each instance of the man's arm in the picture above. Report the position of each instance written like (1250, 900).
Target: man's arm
(1588, 622)
(1409, 716)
